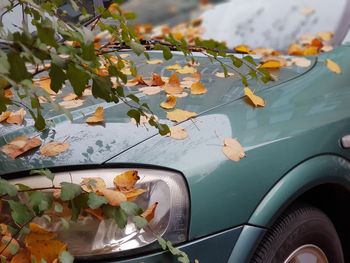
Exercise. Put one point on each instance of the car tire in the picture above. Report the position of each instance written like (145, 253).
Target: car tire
(302, 228)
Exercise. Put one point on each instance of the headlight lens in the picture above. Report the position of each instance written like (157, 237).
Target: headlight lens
(92, 236)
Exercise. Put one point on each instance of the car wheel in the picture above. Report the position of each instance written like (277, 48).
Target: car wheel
(303, 234)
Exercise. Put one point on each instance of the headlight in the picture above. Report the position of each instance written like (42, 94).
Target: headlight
(90, 236)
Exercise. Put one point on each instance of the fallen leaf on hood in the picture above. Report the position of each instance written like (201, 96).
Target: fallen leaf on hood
(307, 11)
(179, 115)
(222, 74)
(113, 197)
(198, 89)
(154, 61)
(256, 100)
(332, 66)
(53, 148)
(16, 117)
(178, 133)
(301, 62)
(325, 36)
(156, 80)
(195, 77)
(173, 86)
(271, 64)
(173, 67)
(233, 149)
(136, 81)
(97, 117)
(242, 49)
(152, 90)
(20, 145)
(126, 181)
(4, 115)
(170, 102)
(92, 184)
(149, 213)
(186, 70)
(133, 194)
(70, 104)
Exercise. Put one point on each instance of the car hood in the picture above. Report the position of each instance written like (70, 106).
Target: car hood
(96, 144)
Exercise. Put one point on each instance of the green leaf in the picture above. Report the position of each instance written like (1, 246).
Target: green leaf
(20, 213)
(250, 60)
(102, 88)
(139, 222)
(18, 70)
(130, 208)
(95, 201)
(135, 114)
(40, 201)
(69, 191)
(78, 78)
(44, 172)
(58, 208)
(133, 98)
(7, 189)
(116, 213)
(166, 51)
(66, 257)
(57, 76)
(162, 242)
(46, 35)
(137, 48)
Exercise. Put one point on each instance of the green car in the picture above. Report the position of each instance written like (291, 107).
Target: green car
(285, 202)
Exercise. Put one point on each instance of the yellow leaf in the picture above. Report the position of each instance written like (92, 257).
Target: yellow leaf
(301, 62)
(198, 89)
(173, 67)
(181, 95)
(170, 102)
(126, 181)
(178, 133)
(92, 184)
(295, 50)
(311, 51)
(271, 64)
(325, 36)
(332, 66)
(150, 90)
(71, 104)
(179, 115)
(45, 83)
(133, 194)
(97, 117)
(126, 71)
(149, 213)
(113, 197)
(23, 256)
(4, 116)
(256, 100)
(53, 148)
(16, 117)
(186, 70)
(20, 145)
(242, 49)
(173, 86)
(233, 149)
(154, 61)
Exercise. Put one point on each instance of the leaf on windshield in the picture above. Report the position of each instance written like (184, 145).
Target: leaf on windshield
(53, 148)
(126, 180)
(154, 61)
(179, 115)
(70, 104)
(233, 149)
(97, 117)
(271, 64)
(332, 66)
(178, 133)
(152, 90)
(295, 50)
(301, 62)
(186, 70)
(256, 100)
(156, 80)
(16, 117)
(198, 88)
(173, 67)
(173, 86)
(244, 49)
(149, 213)
(45, 83)
(170, 102)
(136, 81)
(20, 145)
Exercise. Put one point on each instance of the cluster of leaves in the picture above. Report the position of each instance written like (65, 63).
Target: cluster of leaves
(19, 233)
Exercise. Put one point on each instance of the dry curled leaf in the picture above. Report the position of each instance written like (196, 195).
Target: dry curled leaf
(133, 194)
(149, 213)
(113, 197)
(233, 149)
(4, 116)
(53, 148)
(16, 117)
(170, 102)
(332, 66)
(97, 117)
(173, 86)
(92, 184)
(179, 115)
(154, 61)
(178, 133)
(256, 100)
(198, 89)
(20, 145)
(136, 81)
(152, 90)
(181, 95)
(156, 80)
(195, 77)
(126, 180)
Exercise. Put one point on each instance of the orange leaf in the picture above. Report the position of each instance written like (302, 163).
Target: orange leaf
(113, 197)
(295, 50)
(70, 96)
(53, 148)
(242, 49)
(135, 81)
(8, 93)
(126, 181)
(4, 116)
(20, 145)
(5, 248)
(332, 66)
(233, 149)
(256, 100)
(49, 250)
(198, 89)
(16, 117)
(194, 78)
(23, 256)
(97, 117)
(173, 85)
(170, 102)
(149, 213)
(156, 80)
(133, 194)
(317, 43)
(179, 115)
